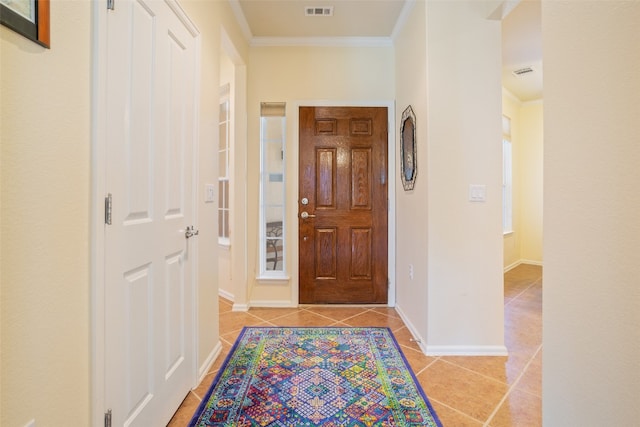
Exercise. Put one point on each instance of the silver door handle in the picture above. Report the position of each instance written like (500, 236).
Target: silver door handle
(191, 231)
(305, 215)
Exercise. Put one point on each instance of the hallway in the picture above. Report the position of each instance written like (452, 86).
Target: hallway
(464, 391)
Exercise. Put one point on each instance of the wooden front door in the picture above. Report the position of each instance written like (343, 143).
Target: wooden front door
(342, 205)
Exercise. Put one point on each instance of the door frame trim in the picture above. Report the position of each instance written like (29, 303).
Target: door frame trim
(97, 234)
(293, 111)
(98, 190)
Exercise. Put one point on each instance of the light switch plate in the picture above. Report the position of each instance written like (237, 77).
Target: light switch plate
(477, 193)
(209, 193)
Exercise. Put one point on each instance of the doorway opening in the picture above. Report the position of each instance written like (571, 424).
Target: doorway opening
(523, 107)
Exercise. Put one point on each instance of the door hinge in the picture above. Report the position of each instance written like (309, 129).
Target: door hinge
(388, 283)
(107, 418)
(107, 209)
(111, 4)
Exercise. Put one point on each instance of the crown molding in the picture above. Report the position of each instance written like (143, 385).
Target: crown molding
(241, 19)
(322, 41)
(403, 18)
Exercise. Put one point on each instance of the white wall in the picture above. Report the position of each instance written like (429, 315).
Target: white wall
(45, 197)
(411, 206)
(591, 296)
(293, 74)
(465, 242)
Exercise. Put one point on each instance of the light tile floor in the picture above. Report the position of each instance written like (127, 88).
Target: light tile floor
(464, 391)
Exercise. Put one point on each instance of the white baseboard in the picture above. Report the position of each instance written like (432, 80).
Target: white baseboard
(512, 266)
(202, 372)
(466, 350)
(451, 350)
(414, 332)
(531, 262)
(522, 261)
(226, 295)
(240, 307)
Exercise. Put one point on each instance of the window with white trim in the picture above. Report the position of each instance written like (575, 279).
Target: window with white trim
(507, 177)
(224, 229)
(272, 190)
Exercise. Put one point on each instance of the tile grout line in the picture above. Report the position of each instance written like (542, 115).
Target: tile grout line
(436, 358)
(454, 410)
(475, 372)
(523, 291)
(196, 395)
(504, 398)
(524, 369)
(343, 320)
(512, 387)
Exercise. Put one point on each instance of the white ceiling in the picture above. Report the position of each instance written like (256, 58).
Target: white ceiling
(522, 47)
(362, 22)
(351, 18)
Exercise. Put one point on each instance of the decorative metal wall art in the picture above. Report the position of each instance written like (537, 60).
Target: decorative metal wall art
(408, 166)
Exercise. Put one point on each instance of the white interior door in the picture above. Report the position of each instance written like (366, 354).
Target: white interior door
(149, 291)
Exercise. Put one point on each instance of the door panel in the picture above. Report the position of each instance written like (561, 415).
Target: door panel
(361, 253)
(343, 241)
(326, 178)
(361, 179)
(327, 245)
(149, 332)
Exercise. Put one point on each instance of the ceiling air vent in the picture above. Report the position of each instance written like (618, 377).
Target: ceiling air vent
(522, 71)
(318, 11)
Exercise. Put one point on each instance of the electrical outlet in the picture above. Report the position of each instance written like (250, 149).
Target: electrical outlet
(411, 271)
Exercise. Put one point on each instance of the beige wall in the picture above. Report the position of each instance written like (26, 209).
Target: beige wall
(591, 297)
(512, 253)
(231, 259)
(45, 210)
(590, 202)
(524, 245)
(465, 242)
(291, 75)
(411, 206)
(210, 18)
(46, 138)
(225, 284)
(530, 162)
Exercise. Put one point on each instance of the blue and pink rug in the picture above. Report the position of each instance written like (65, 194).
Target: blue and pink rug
(315, 377)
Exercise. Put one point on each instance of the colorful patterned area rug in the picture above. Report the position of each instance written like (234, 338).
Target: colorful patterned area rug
(324, 376)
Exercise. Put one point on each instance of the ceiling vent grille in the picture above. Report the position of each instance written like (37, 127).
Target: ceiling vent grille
(522, 71)
(318, 11)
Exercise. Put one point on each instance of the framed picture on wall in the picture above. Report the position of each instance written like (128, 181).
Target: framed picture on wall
(27, 17)
(408, 165)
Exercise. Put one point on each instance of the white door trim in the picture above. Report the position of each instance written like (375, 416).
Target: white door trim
(98, 194)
